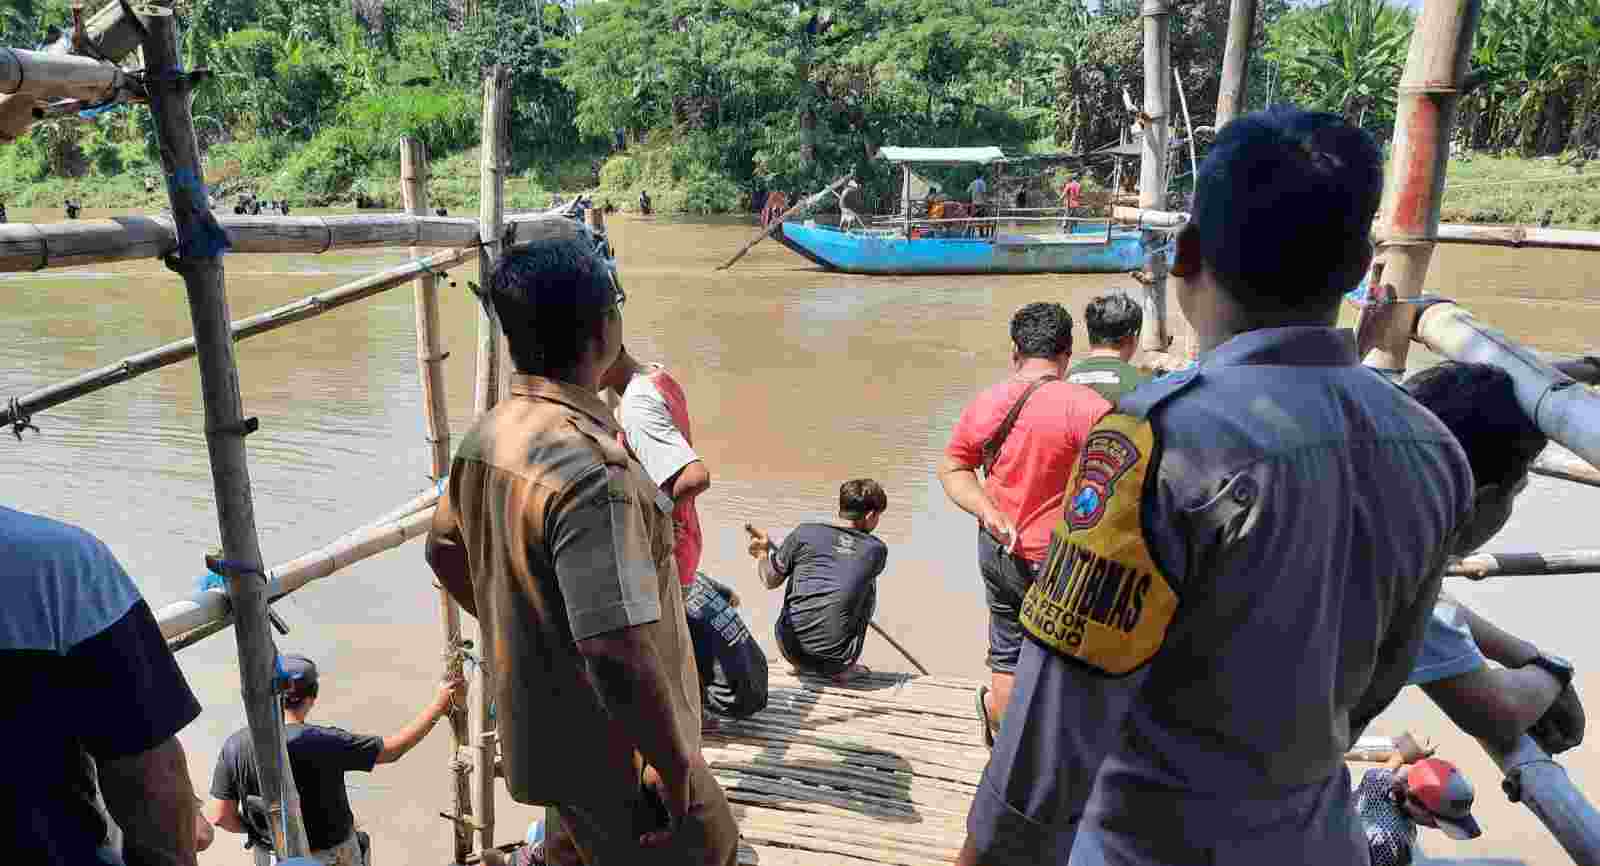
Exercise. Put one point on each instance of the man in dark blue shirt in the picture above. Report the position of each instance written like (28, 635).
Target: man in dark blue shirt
(319, 756)
(93, 686)
(832, 570)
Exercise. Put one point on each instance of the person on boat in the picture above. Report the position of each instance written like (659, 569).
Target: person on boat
(1113, 322)
(319, 756)
(3, 217)
(1024, 434)
(98, 703)
(1248, 555)
(654, 413)
(74, 207)
(1531, 692)
(644, 202)
(1071, 201)
(553, 535)
(776, 204)
(832, 574)
(978, 196)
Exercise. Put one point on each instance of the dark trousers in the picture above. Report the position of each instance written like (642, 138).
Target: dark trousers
(733, 669)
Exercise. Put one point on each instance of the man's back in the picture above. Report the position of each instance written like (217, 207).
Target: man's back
(524, 486)
(833, 573)
(1109, 377)
(319, 756)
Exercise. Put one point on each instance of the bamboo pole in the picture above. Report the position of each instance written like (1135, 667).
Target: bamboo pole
(1408, 223)
(1538, 782)
(308, 307)
(1566, 411)
(896, 644)
(1519, 237)
(1157, 15)
(436, 417)
(1570, 470)
(199, 261)
(113, 33)
(806, 203)
(1235, 61)
(32, 247)
(208, 611)
(1481, 565)
(1150, 219)
(41, 75)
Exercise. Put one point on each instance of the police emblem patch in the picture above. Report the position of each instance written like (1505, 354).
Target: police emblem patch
(1107, 456)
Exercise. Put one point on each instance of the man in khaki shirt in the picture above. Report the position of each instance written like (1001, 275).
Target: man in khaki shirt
(552, 535)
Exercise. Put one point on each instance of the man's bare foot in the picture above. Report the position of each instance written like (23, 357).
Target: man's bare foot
(854, 672)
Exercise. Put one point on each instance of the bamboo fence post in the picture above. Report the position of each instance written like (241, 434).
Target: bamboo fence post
(1409, 219)
(1157, 15)
(1235, 61)
(114, 35)
(436, 414)
(199, 261)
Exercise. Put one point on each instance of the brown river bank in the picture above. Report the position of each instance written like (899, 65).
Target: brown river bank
(797, 379)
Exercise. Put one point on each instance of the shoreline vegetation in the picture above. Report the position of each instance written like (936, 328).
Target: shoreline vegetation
(708, 104)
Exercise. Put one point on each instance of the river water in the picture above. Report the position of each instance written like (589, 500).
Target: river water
(797, 380)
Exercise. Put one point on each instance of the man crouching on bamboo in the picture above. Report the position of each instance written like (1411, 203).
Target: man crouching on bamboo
(553, 536)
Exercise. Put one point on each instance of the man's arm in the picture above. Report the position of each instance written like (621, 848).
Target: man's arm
(447, 555)
(689, 482)
(1499, 705)
(961, 484)
(397, 744)
(664, 452)
(225, 814)
(150, 797)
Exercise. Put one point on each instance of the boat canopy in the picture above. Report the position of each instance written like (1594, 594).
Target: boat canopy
(942, 155)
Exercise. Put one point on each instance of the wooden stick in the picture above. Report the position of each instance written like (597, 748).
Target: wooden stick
(32, 247)
(896, 644)
(199, 262)
(309, 307)
(1408, 222)
(804, 204)
(1482, 565)
(41, 75)
(436, 417)
(209, 611)
(1569, 470)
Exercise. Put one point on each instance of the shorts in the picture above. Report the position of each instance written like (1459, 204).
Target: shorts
(796, 655)
(609, 834)
(1006, 578)
(1448, 649)
(346, 853)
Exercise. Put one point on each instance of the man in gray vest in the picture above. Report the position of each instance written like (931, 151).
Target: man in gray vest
(1248, 553)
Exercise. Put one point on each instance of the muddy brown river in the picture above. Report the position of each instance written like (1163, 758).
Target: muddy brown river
(797, 379)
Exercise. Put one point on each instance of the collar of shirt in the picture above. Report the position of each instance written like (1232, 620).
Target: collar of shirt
(583, 400)
(1297, 346)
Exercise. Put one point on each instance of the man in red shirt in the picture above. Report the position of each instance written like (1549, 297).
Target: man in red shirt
(1026, 466)
(1071, 200)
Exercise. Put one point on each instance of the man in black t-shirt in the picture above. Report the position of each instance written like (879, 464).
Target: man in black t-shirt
(832, 570)
(319, 756)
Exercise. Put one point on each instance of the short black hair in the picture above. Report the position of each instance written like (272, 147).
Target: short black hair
(1112, 318)
(1478, 402)
(1042, 329)
(1284, 206)
(860, 496)
(551, 296)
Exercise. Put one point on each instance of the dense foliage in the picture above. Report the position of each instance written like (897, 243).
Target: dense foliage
(707, 101)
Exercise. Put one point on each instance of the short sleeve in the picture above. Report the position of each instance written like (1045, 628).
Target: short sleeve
(1448, 649)
(966, 443)
(661, 447)
(349, 752)
(783, 557)
(601, 549)
(128, 695)
(225, 776)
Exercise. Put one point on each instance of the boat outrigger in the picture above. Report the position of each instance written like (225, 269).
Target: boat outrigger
(996, 240)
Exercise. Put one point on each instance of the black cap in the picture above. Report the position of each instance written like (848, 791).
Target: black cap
(299, 675)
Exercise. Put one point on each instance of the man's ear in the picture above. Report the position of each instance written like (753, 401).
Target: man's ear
(1187, 261)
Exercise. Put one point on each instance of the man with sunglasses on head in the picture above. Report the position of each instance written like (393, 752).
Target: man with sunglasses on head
(553, 536)
(1247, 556)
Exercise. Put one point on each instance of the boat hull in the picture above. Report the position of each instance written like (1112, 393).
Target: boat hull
(870, 254)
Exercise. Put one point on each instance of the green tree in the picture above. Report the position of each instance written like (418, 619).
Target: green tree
(1344, 56)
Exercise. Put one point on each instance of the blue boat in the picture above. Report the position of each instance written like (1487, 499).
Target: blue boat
(995, 241)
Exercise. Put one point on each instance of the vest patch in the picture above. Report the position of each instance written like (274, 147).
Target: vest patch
(1100, 598)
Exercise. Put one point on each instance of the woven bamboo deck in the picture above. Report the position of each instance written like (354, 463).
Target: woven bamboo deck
(877, 771)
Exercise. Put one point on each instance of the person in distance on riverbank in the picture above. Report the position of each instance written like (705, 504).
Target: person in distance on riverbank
(654, 413)
(319, 756)
(1113, 322)
(554, 536)
(1248, 554)
(1532, 692)
(1024, 434)
(832, 573)
(97, 703)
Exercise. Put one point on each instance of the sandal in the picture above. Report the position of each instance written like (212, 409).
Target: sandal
(983, 716)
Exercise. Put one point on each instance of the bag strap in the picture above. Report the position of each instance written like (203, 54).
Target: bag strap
(997, 440)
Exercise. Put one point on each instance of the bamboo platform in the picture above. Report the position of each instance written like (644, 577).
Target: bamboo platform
(878, 771)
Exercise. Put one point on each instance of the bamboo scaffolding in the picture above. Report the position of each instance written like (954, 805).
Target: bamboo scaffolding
(113, 34)
(198, 260)
(41, 75)
(204, 613)
(1520, 237)
(804, 204)
(36, 246)
(1235, 61)
(1150, 219)
(1408, 222)
(308, 307)
(1481, 565)
(1157, 15)
(436, 418)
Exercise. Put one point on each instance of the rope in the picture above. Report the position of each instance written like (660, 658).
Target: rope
(20, 420)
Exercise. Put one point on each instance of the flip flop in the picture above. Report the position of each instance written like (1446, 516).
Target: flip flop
(983, 716)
